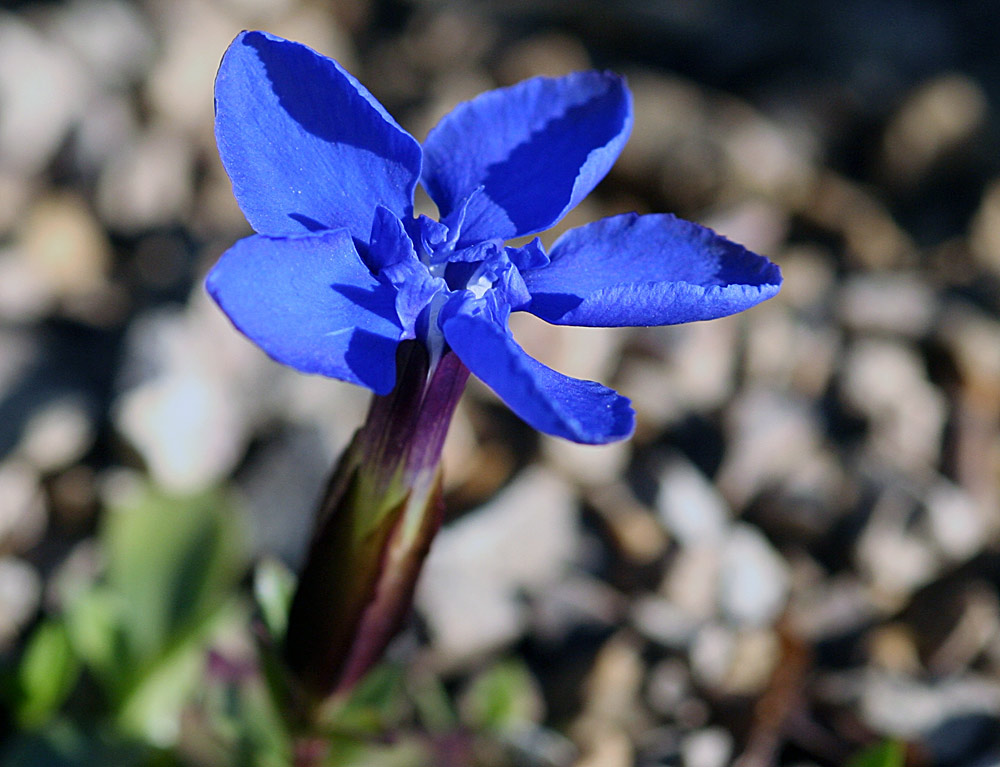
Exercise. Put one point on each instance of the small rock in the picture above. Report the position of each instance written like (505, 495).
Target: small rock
(612, 688)
(57, 435)
(450, 40)
(710, 747)
(16, 191)
(755, 656)
(43, 89)
(975, 631)
(973, 338)
(809, 277)
(575, 601)
(658, 746)
(934, 120)
(636, 533)
(668, 684)
(607, 747)
(832, 607)
(148, 183)
(575, 351)
(768, 159)
(193, 390)
(589, 465)
(984, 237)
(873, 239)
(753, 579)
(892, 647)
(64, 246)
(784, 352)
(20, 595)
(22, 511)
(187, 428)
(894, 559)
(690, 507)
(25, 296)
(697, 372)
(520, 541)
(734, 662)
(888, 383)
(73, 497)
(712, 655)
(957, 524)
(692, 582)
(906, 708)
(755, 224)
(548, 55)
(691, 170)
(19, 351)
(282, 484)
(898, 303)
(663, 622)
(810, 500)
(667, 111)
(108, 124)
(769, 435)
(265, 9)
(193, 37)
(110, 36)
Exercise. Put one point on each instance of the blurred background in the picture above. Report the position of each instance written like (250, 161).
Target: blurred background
(795, 557)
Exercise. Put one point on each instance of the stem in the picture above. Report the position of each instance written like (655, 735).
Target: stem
(373, 530)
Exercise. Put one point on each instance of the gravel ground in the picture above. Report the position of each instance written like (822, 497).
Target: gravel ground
(796, 555)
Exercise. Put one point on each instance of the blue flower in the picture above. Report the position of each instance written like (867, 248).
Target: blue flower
(341, 272)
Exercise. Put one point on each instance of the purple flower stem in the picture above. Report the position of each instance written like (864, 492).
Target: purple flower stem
(374, 527)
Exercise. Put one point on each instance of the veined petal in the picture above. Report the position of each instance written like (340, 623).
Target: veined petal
(310, 302)
(306, 146)
(537, 148)
(581, 411)
(647, 270)
(391, 254)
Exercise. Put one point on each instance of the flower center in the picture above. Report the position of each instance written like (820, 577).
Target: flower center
(421, 259)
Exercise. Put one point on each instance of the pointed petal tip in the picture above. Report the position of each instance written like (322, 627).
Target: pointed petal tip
(306, 146)
(656, 269)
(310, 303)
(537, 148)
(580, 411)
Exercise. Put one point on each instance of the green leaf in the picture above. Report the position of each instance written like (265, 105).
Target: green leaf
(353, 753)
(94, 630)
(46, 675)
(172, 566)
(172, 561)
(503, 699)
(374, 705)
(62, 744)
(151, 707)
(432, 702)
(888, 753)
(273, 587)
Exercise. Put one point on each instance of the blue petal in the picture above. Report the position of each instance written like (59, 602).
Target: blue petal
(391, 254)
(306, 145)
(536, 148)
(530, 256)
(389, 243)
(309, 302)
(581, 411)
(647, 270)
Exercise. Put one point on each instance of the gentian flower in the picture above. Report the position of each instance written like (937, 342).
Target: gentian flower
(341, 272)
(342, 280)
